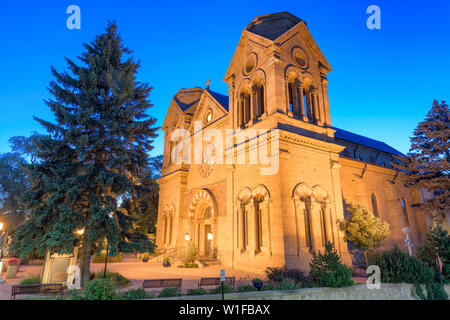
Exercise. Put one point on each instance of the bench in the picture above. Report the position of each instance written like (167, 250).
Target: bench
(215, 282)
(162, 283)
(37, 288)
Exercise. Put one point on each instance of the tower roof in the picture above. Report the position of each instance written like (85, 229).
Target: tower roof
(273, 25)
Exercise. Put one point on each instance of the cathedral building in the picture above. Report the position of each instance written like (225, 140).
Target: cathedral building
(249, 219)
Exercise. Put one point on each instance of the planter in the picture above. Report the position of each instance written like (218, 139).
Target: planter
(258, 285)
(11, 272)
(144, 259)
(166, 264)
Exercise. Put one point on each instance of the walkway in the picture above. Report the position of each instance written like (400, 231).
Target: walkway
(136, 271)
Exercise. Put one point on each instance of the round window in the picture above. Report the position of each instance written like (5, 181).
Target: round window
(250, 65)
(299, 57)
(208, 117)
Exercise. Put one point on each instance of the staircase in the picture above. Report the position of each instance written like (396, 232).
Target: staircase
(208, 261)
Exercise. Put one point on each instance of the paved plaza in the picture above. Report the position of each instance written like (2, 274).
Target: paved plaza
(136, 271)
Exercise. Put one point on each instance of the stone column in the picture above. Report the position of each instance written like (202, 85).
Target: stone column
(232, 111)
(300, 227)
(240, 209)
(315, 227)
(326, 106)
(288, 110)
(328, 226)
(341, 244)
(315, 103)
(251, 226)
(302, 115)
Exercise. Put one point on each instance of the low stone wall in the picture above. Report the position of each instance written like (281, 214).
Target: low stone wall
(391, 291)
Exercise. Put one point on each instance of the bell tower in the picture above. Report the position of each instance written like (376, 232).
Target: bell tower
(278, 68)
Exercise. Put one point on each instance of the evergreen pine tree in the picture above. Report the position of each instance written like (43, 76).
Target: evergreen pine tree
(437, 240)
(427, 164)
(92, 157)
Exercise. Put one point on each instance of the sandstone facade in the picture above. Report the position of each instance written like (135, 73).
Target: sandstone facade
(237, 213)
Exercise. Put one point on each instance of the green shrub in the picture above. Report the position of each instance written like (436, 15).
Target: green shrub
(169, 292)
(433, 292)
(245, 287)
(327, 270)
(119, 280)
(100, 258)
(133, 294)
(191, 256)
(196, 292)
(397, 266)
(438, 238)
(278, 274)
(191, 265)
(285, 284)
(100, 289)
(227, 288)
(31, 280)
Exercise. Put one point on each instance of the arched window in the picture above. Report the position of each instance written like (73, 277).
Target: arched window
(404, 211)
(375, 206)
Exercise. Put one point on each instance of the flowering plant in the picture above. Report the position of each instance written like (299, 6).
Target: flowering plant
(13, 262)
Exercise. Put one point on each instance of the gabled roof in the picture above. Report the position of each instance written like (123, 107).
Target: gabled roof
(364, 141)
(220, 98)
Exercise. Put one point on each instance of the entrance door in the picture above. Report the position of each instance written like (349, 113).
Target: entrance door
(208, 240)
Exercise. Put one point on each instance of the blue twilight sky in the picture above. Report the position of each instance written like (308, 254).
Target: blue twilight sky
(382, 84)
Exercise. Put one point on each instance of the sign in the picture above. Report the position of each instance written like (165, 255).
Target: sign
(222, 275)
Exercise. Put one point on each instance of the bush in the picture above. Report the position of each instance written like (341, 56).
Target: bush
(397, 266)
(191, 257)
(100, 289)
(327, 270)
(433, 292)
(282, 273)
(438, 238)
(119, 280)
(191, 265)
(169, 292)
(196, 292)
(31, 280)
(286, 284)
(227, 288)
(133, 294)
(245, 287)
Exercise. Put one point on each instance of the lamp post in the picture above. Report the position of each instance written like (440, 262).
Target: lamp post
(2, 241)
(408, 241)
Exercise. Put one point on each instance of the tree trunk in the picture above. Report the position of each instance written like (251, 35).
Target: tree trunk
(364, 253)
(85, 260)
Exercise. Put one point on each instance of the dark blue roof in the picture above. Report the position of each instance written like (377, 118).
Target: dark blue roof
(364, 141)
(221, 98)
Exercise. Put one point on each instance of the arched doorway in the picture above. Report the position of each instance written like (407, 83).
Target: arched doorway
(203, 209)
